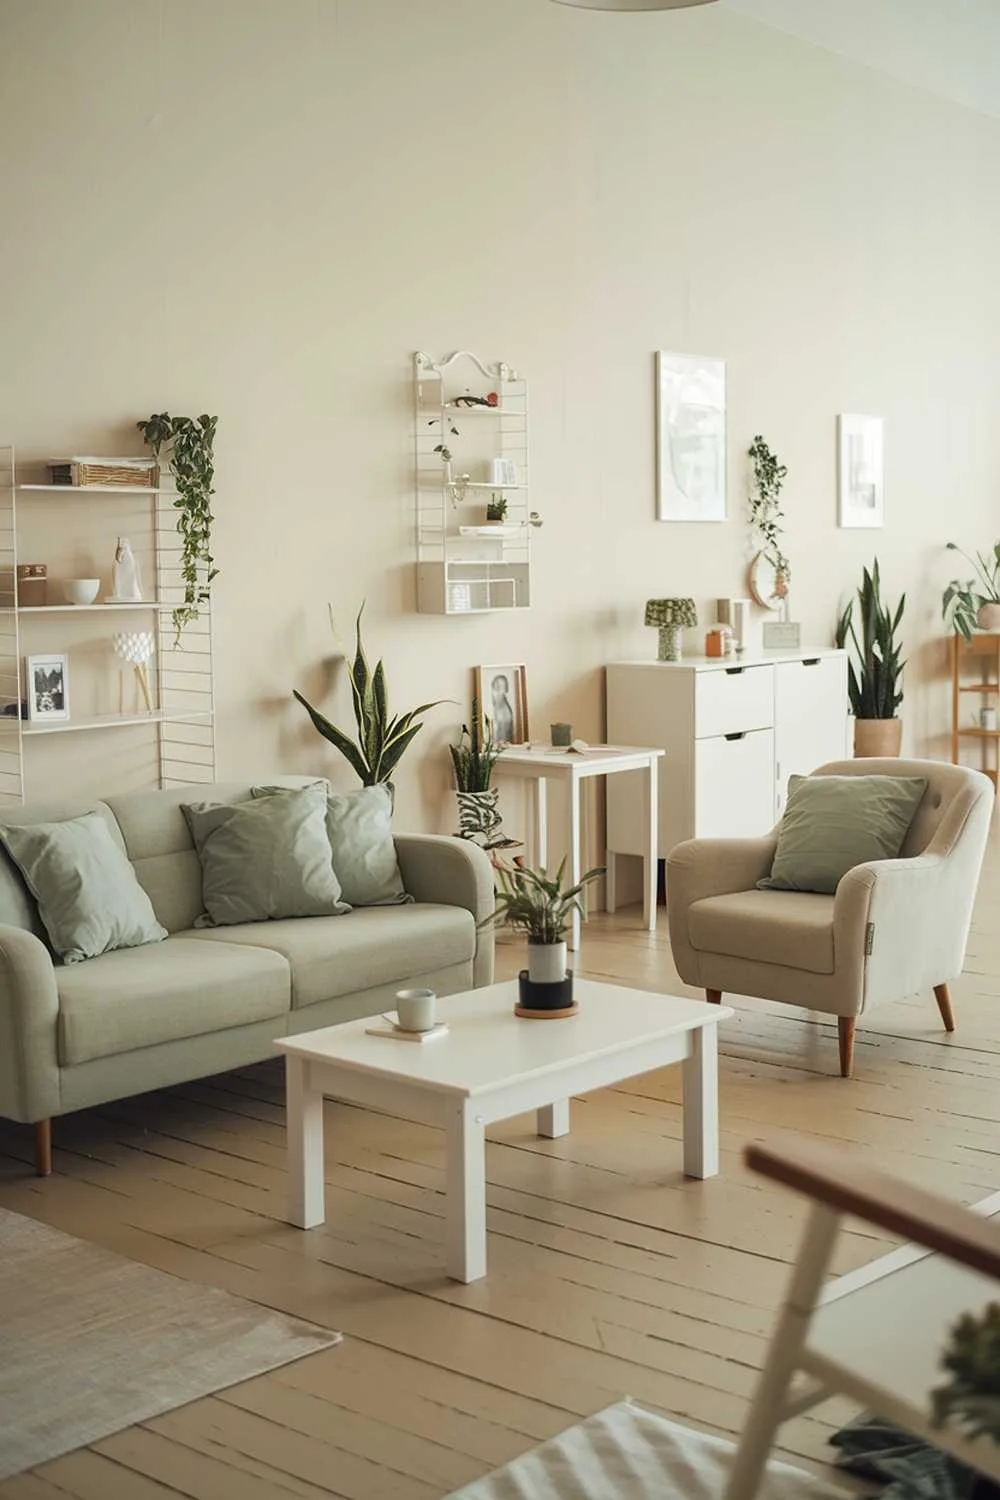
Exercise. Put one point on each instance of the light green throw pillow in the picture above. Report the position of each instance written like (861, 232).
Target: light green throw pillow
(89, 899)
(832, 823)
(364, 854)
(265, 858)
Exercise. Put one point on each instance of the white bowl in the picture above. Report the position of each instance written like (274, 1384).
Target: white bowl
(80, 590)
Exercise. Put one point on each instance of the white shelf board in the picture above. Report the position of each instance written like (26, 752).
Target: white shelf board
(90, 489)
(80, 609)
(478, 484)
(106, 721)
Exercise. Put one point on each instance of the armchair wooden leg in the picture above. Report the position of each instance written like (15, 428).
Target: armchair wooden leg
(43, 1148)
(714, 997)
(845, 1029)
(943, 999)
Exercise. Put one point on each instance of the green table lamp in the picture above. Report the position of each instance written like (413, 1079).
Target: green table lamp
(670, 616)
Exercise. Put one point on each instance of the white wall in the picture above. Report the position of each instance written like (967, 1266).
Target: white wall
(262, 207)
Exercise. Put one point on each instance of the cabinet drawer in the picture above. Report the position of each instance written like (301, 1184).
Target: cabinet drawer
(733, 699)
(734, 785)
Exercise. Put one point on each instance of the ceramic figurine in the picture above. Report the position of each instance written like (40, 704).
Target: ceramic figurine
(127, 584)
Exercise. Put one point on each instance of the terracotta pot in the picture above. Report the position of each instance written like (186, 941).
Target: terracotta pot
(989, 617)
(877, 736)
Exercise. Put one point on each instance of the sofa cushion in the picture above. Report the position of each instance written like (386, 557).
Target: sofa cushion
(88, 897)
(332, 956)
(138, 997)
(791, 928)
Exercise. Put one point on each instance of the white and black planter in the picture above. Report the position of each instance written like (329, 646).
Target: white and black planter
(545, 987)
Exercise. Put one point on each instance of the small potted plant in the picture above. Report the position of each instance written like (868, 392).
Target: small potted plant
(974, 603)
(531, 902)
(874, 677)
(496, 509)
(473, 759)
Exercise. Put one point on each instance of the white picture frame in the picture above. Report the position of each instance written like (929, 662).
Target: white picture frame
(690, 437)
(503, 701)
(860, 471)
(47, 688)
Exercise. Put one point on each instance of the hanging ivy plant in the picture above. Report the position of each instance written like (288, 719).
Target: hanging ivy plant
(187, 443)
(766, 515)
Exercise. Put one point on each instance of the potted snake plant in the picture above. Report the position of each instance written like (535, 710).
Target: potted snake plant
(874, 677)
(473, 759)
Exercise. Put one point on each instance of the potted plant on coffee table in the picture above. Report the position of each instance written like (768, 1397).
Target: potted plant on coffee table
(874, 676)
(532, 902)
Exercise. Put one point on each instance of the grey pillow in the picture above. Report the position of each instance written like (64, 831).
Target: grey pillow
(265, 858)
(89, 899)
(832, 823)
(364, 854)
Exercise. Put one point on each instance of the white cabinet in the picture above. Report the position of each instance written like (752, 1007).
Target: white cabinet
(733, 730)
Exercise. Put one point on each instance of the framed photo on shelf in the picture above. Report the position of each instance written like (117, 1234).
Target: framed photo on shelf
(860, 470)
(690, 438)
(47, 680)
(503, 699)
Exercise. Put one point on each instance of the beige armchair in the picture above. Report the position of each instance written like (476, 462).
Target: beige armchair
(893, 927)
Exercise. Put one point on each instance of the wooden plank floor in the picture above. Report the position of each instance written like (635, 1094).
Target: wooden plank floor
(610, 1273)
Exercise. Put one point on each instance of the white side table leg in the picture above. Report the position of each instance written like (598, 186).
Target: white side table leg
(553, 1119)
(465, 1194)
(541, 823)
(701, 1103)
(304, 1129)
(651, 863)
(574, 852)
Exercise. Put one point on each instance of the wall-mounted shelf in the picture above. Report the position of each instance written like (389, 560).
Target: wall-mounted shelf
(469, 574)
(180, 677)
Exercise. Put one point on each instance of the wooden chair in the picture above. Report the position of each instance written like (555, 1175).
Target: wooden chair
(875, 1334)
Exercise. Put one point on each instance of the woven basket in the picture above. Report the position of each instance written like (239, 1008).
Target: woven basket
(83, 475)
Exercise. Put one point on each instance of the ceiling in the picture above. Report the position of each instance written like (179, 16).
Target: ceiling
(949, 47)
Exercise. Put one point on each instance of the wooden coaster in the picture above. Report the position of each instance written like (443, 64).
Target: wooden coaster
(546, 1015)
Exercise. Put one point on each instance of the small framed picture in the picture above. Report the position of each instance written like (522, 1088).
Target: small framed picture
(47, 688)
(861, 470)
(503, 698)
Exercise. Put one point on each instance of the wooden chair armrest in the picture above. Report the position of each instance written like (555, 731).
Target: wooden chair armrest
(834, 1178)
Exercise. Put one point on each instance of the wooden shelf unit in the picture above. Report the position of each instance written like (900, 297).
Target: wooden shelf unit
(982, 652)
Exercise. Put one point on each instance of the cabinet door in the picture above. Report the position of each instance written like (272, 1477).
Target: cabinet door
(734, 785)
(810, 718)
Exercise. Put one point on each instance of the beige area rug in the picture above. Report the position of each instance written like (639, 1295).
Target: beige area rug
(91, 1343)
(626, 1453)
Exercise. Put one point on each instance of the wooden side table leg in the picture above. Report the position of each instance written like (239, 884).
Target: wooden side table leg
(651, 863)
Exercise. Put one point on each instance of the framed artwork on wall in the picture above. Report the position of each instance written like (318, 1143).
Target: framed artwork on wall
(47, 680)
(690, 438)
(503, 699)
(860, 470)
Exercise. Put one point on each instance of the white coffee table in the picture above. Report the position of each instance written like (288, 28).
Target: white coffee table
(490, 1066)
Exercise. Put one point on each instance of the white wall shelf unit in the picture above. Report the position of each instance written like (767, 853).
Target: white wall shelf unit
(180, 673)
(462, 574)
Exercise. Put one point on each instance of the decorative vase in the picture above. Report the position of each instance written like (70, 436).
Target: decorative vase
(989, 617)
(881, 737)
(126, 581)
(670, 643)
(479, 818)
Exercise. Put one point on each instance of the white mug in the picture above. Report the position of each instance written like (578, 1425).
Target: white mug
(415, 1009)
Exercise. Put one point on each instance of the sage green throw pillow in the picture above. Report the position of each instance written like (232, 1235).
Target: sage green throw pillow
(364, 854)
(832, 823)
(89, 899)
(265, 858)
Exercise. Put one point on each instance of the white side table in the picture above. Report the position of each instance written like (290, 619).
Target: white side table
(546, 763)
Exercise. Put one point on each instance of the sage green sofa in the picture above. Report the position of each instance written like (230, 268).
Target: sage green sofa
(205, 1000)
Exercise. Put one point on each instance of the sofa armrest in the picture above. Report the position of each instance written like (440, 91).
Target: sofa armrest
(452, 872)
(912, 915)
(29, 1010)
(709, 867)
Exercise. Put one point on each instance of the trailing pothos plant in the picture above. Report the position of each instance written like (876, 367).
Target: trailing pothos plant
(381, 739)
(188, 444)
(766, 515)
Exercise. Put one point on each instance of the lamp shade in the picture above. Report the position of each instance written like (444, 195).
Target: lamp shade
(634, 4)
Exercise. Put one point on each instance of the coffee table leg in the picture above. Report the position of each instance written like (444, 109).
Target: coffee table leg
(465, 1194)
(701, 1104)
(304, 1128)
(553, 1119)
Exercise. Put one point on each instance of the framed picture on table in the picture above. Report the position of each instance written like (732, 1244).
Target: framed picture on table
(503, 700)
